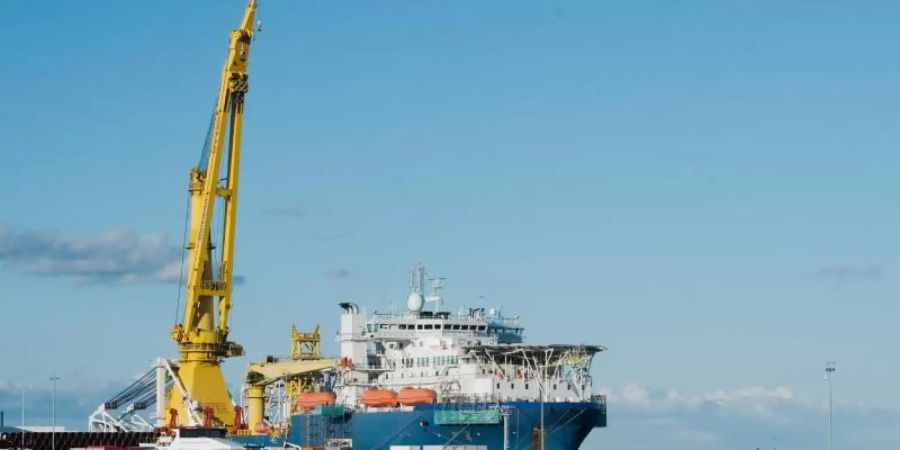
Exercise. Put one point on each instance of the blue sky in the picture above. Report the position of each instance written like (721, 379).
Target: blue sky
(705, 187)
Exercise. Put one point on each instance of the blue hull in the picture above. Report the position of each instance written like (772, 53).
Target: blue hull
(567, 425)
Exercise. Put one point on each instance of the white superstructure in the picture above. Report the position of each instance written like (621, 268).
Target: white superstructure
(477, 353)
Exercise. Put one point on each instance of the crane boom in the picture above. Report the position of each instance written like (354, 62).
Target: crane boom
(202, 336)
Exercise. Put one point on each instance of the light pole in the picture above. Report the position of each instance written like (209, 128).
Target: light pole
(829, 370)
(53, 381)
(544, 395)
(22, 444)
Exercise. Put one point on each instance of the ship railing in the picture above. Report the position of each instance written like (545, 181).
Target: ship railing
(393, 334)
(470, 399)
(495, 399)
(503, 320)
(409, 334)
(459, 317)
(351, 337)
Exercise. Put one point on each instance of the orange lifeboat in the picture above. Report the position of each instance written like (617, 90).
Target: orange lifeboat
(416, 396)
(313, 399)
(379, 398)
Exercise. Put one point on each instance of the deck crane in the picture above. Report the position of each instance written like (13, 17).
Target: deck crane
(202, 336)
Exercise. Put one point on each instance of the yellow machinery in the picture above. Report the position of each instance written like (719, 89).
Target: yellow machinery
(202, 338)
(302, 373)
(305, 345)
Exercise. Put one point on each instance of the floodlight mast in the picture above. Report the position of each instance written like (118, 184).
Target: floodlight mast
(829, 371)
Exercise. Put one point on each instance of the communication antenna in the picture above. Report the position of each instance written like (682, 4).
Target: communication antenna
(417, 279)
(436, 285)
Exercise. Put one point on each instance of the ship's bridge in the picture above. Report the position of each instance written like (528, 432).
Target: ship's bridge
(474, 324)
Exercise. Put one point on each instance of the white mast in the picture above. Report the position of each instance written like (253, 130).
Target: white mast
(436, 285)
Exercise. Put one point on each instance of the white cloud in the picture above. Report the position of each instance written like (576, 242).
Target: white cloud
(636, 395)
(116, 256)
(643, 417)
(748, 399)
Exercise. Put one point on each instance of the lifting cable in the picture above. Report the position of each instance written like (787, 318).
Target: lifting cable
(187, 214)
(143, 390)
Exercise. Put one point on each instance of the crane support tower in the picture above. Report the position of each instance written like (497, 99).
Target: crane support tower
(202, 336)
(271, 386)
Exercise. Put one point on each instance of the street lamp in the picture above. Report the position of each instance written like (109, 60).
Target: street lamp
(53, 381)
(22, 444)
(829, 371)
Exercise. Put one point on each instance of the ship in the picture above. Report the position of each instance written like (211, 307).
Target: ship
(426, 379)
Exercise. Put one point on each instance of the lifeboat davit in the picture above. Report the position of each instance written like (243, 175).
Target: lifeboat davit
(379, 398)
(416, 396)
(313, 399)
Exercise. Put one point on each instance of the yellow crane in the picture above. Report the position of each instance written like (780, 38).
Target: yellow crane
(303, 372)
(202, 336)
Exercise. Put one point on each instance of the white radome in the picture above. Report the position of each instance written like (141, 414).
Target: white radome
(415, 302)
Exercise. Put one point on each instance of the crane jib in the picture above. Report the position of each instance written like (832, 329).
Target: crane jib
(202, 334)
